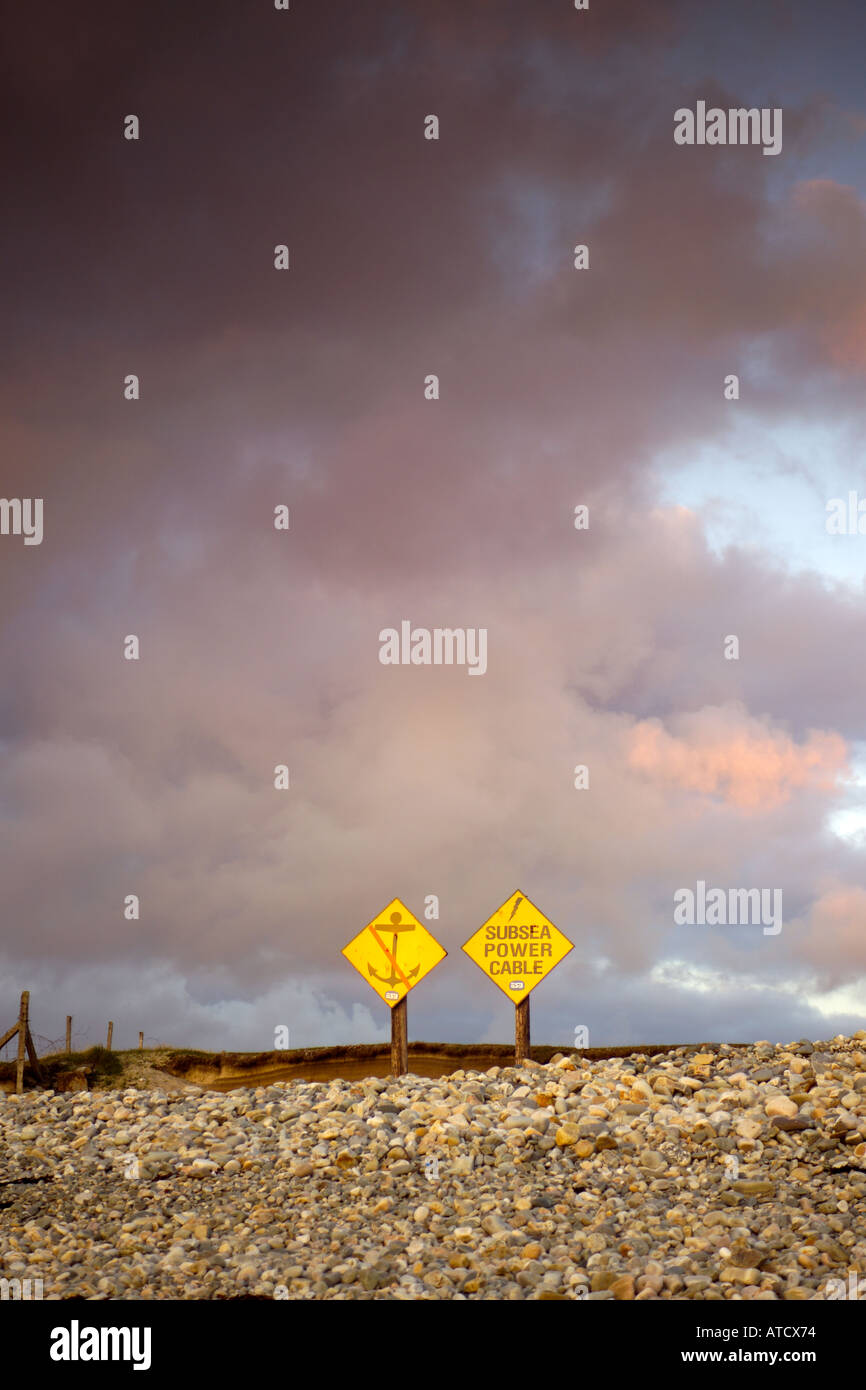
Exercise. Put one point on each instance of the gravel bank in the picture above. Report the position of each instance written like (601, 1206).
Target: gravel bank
(732, 1174)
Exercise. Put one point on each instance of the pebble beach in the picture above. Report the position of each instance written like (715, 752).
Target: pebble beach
(727, 1173)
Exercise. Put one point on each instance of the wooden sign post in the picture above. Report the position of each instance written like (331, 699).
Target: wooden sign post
(393, 953)
(521, 1030)
(400, 1038)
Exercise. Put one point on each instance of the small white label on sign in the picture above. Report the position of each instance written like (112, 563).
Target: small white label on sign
(391, 994)
(516, 984)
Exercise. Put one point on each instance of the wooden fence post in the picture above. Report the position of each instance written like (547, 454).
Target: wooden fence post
(25, 1043)
(23, 1025)
(69, 1032)
(110, 1035)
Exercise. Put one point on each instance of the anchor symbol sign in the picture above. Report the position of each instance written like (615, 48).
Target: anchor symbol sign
(395, 926)
(377, 955)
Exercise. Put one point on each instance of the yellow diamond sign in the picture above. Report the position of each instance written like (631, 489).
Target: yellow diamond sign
(394, 952)
(517, 947)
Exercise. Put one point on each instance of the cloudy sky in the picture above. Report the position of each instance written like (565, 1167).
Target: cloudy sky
(558, 387)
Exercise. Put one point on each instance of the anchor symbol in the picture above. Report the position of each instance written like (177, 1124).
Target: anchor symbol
(397, 925)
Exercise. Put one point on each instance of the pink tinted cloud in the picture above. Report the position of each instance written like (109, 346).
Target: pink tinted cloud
(832, 937)
(725, 754)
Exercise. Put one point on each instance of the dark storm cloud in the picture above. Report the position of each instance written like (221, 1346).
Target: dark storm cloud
(558, 387)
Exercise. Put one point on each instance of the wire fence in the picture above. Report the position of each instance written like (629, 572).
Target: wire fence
(81, 1041)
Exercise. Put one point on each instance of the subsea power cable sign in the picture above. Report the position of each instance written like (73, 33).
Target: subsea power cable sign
(518, 947)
